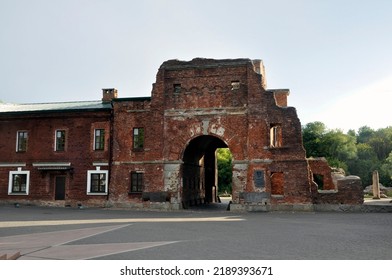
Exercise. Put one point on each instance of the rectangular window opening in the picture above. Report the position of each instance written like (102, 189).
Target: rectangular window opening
(138, 138)
(235, 85)
(276, 136)
(99, 139)
(21, 141)
(60, 140)
(19, 182)
(177, 88)
(97, 182)
(137, 182)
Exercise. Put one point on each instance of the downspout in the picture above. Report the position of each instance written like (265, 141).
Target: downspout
(111, 129)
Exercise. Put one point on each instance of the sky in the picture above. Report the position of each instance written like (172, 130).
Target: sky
(335, 56)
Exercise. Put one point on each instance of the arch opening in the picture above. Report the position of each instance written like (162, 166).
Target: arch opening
(200, 171)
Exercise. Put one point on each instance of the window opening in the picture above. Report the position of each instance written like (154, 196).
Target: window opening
(319, 180)
(99, 139)
(97, 182)
(276, 136)
(60, 140)
(137, 182)
(138, 138)
(235, 85)
(21, 141)
(19, 182)
(176, 88)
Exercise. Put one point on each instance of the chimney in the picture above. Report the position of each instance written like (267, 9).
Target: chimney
(108, 94)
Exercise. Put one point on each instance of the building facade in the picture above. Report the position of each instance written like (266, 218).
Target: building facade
(56, 153)
(160, 151)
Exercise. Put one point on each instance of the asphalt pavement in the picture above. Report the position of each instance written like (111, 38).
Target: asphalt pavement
(39, 233)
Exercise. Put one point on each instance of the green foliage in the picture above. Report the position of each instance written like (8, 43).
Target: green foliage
(334, 145)
(312, 134)
(386, 171)
(381, 141)
(224, 161)
(365, 163)
(357, 153)
(338, 145)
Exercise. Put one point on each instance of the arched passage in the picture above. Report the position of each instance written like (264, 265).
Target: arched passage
(199, 170)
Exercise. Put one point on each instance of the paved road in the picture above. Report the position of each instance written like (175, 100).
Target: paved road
(69, 233)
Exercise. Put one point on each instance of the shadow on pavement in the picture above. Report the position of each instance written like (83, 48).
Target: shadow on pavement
(216, 206)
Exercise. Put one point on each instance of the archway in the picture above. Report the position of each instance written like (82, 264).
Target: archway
(199, 171)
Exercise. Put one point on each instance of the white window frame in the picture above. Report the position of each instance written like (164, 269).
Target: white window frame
(10, 181)
(97, 171)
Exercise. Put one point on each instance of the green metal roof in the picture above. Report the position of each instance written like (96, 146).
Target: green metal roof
(54, 107)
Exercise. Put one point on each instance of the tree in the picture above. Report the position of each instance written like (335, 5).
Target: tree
(364, 134)
(312, 134)
(224, 161)
(381, 141)
(339, 146)
(334, 145)
(357, 153)
(386, 171)
(364, 164)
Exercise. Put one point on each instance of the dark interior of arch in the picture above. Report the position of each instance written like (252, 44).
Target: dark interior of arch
(199, 170)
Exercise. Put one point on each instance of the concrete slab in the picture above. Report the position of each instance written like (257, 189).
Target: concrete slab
(381, 201)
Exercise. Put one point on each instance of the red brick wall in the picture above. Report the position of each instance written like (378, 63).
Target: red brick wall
(79, 152)
(320, 166)
(194, 108)
(346, 190)
(277, 183)
(129, 114)
(349, 191)
(206, 104)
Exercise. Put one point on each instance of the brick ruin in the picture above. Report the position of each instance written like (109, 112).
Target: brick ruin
(161, 150)
(331, 186)
(197, 107)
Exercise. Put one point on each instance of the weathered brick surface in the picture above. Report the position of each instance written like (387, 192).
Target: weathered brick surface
(349, 192)
(226, 101)
(319, 166)
(78, 152)
(337, 188)
(195, 107)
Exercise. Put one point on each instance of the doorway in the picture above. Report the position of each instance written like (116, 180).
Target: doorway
(59, 188)
(200, 171)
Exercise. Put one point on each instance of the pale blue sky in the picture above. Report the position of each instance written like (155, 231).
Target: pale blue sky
(334, 56)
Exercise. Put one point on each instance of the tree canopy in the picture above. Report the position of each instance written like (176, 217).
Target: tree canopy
(358, 153)
(224, 159)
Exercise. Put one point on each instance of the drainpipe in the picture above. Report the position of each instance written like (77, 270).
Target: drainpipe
(111, 129)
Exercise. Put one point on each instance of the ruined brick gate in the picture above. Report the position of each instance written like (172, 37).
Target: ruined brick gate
(160, 151)
(197, 107)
